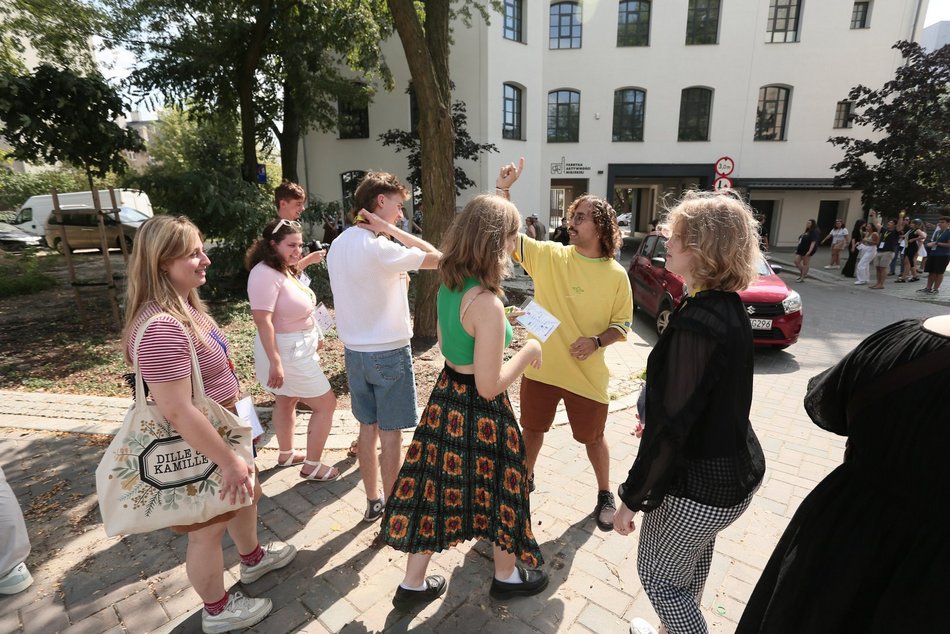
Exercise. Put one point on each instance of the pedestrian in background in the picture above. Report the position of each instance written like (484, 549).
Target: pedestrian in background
(887, 244)
(857, 234)
(902, 224)
(938, 256)
(867, 249)
(561, 235)
(913, 239)
(807, 245)
(699, 461)
(839, 241)
(465, 475)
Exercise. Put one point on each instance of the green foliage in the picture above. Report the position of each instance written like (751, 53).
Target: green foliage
(15, 188)
(20, 274)
(56, 115)
(183, 141)
(910, 166)
(465, 149)
(58, 31)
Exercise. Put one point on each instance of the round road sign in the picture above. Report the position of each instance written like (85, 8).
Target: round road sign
(722, 183)
(724, 166)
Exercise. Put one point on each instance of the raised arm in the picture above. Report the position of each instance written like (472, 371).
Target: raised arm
(377, 224)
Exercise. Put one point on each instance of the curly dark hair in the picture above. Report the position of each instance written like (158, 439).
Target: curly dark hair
(605, 218)
(263, 251)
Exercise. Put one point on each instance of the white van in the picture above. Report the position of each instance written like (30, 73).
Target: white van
(33, 214)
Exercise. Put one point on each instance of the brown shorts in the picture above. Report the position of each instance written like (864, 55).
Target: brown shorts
(539, 402)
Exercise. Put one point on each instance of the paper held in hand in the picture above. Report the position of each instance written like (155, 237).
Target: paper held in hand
(538, 321)
(323, 317)
(246, 411)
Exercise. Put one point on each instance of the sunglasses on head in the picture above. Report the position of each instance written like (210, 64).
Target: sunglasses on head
(293, 224)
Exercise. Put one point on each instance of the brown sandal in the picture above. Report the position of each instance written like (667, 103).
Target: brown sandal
(352, 452)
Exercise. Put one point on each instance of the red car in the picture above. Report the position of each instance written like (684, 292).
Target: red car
(774, 310)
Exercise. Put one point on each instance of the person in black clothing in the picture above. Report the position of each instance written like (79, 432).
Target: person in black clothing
(699, 461)
(885, 252)
(867, 550)
(560, 233)
(807, 245)
(856, 235)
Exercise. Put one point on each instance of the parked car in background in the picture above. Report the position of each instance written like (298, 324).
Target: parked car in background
(82, 229)
(624, 219)
(774, 310)
(34, 213)
(13, 239)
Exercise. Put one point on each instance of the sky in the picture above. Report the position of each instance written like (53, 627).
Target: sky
(937, 11)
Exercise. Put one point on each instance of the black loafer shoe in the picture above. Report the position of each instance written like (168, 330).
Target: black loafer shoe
(604, 511)
(405, 600)
(532, 582)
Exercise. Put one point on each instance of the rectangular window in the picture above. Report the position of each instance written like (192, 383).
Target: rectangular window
(860, 15)
(633, 23)
(772, 113)
(702, 22)
(784, 18)
(511, 115)
(695, 110)
(565, 30)
(564, 116)
(843, 114)
(628, 115)
(353, 120)
(514, 12)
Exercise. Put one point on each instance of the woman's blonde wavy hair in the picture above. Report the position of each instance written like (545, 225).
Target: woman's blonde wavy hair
(160, 240)
(722, 235)
(474, 245)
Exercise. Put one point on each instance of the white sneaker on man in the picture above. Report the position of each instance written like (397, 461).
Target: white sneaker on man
(240, 612)
(17, 580)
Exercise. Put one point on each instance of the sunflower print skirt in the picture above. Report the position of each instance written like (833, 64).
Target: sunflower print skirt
(464, 476)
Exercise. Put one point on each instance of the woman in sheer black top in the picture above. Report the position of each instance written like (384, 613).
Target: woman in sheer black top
(699, 461)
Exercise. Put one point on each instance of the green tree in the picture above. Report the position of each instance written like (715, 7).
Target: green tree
(466, 149)
(272, 61)
(58, 31)
(54, 115)
(425, 33)
(909, 166)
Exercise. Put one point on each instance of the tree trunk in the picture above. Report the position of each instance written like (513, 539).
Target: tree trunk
(245, 89)
(427, 53)
(289, 136)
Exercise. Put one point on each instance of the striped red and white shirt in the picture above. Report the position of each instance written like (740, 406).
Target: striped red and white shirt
(164, 355)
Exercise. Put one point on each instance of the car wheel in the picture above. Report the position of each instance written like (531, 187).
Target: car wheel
(663, 317)
(128, 245)
(59, 246)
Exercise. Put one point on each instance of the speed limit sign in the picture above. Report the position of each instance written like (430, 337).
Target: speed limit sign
(722, 182)
(724, 166)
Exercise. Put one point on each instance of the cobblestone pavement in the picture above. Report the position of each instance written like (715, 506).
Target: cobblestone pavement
(86, 582)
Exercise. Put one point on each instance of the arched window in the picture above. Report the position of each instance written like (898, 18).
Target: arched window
(633, 23)
(512, 109)
(564, 116)
(695, 112)
(629, 108)
(565, 31)
(771, 114)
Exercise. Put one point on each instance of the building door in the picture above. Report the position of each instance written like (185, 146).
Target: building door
(764, 212)
(827, 214)
(563, 192)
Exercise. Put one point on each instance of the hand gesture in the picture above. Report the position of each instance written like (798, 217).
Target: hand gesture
(373, 222)
(275, 378)
(512, 313)
(237, 480)
(582, 348)
(623, 520)
(508, 174)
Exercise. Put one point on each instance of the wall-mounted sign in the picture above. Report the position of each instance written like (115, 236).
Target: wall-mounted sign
(724, 166)
(565, 168)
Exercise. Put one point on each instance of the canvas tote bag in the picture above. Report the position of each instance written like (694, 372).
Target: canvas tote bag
(150, 478)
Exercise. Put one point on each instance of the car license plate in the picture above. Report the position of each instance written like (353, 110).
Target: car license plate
(761, 324)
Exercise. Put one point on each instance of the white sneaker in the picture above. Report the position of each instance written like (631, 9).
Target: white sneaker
(240, 612)
(276, 556)
(17, 580)
(639, 626)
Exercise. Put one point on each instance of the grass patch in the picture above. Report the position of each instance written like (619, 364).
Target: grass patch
(21, 274)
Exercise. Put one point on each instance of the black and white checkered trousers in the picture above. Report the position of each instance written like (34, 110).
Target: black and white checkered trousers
(676, 549)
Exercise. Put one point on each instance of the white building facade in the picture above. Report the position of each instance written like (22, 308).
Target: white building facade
(636, 101)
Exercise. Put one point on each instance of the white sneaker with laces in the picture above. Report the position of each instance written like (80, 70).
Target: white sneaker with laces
(240, 612)
(639, 626)
(17, 580)
(276, 556)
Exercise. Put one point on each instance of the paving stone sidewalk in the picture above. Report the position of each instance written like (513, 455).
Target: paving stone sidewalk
(86, 582)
